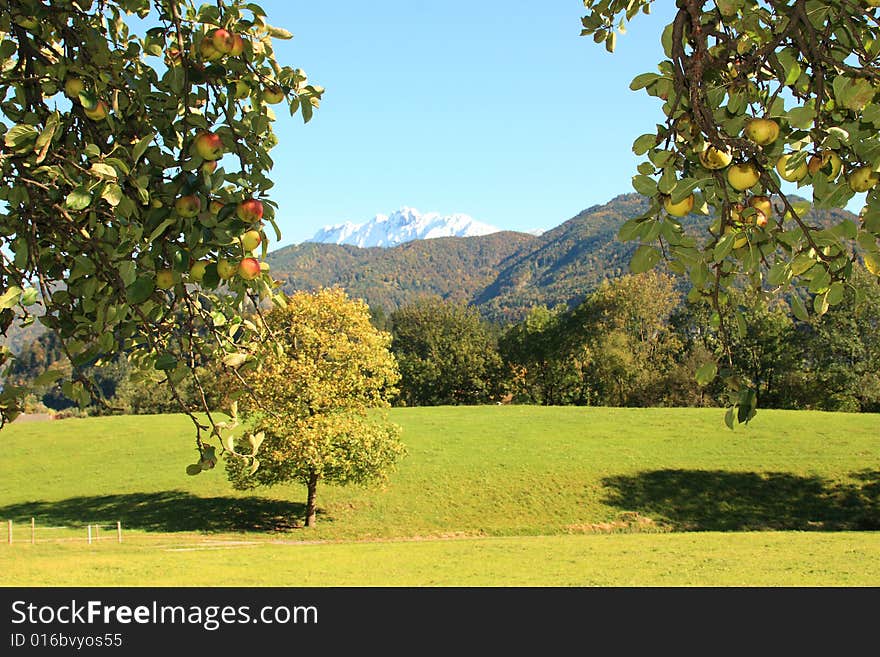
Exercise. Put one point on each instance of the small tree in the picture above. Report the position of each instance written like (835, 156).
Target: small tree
(323, 376)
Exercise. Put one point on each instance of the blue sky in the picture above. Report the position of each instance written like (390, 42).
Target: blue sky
(499, 110)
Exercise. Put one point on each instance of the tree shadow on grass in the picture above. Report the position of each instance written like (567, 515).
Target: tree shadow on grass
(165, 511)
(717, 500)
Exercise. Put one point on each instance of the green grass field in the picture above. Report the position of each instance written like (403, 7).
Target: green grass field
(495, 495)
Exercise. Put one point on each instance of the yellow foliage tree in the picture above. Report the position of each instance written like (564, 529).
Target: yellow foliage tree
(317, 398)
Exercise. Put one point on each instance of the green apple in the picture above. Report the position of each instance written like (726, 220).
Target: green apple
(762, 131)
(250, 240)
(226, 269)
(197, 271)
(273, 95)
(165, 279)
(862, 179)
(741, 238)
(73, 86)
(743, 176)
(827, 163)
(788, 173)
(242, 90)
(208, 51)
(680, 209)
(713, 159)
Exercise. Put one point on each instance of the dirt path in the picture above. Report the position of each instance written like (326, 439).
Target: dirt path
(33, 417)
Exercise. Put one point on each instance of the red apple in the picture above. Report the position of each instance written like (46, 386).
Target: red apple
(208, 145)
(249, 268)
(172, 56)
(250, 210)
(215, 206)
(99, 112)
(223, 40)
(237, 45)
(188, 206)
(209, 166)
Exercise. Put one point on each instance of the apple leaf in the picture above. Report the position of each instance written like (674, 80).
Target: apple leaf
(193, 469)
(44, 141)
(255, 441)
(112, 194)
(835, 293)
(798, 308)
(643, 80)
(140, 290)
(779, 273)
(161, 228)
(165, 362)
(255, 464)
(234, 360)
(644, 143)
(644, 185)
(47, 378)
(629, 230)
(78, 199)
(141, 147)
(29, 296)
(644, 259)
(101, 170)
(724, 246)
(10, 297)
(728, 418)
(872, 263)
(279, 33)
(706, 373)
(20, 138)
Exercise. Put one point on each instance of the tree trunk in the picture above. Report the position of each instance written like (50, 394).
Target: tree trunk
(311, 508)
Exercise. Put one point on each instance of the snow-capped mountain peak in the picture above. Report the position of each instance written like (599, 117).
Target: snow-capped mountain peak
(403, 225)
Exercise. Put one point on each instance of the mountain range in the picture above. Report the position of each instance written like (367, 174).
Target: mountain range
(504, 274)
(403, 225)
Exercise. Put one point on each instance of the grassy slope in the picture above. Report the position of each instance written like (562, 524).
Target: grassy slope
(499, 471)
(482, 470)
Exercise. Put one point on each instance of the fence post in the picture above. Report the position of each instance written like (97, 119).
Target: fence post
(33, 531)
(119, 531)
(96, 532)
(90, 534)
(9, 528)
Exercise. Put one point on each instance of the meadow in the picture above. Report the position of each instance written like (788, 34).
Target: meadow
(491, 495)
